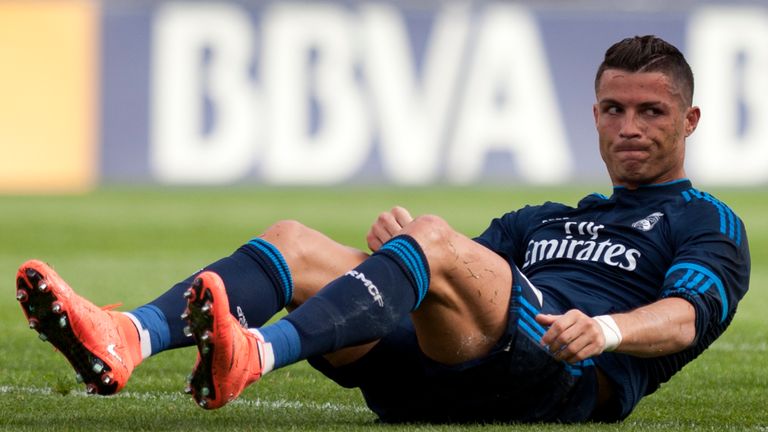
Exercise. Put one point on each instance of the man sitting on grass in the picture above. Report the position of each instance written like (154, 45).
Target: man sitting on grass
(554, 313)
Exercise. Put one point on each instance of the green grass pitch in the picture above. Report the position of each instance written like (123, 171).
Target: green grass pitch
(129, 244)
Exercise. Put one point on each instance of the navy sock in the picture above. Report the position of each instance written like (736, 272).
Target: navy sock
(258, 284)
(363, 305)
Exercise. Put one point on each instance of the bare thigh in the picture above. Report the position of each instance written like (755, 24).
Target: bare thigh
(315, 260)
(465, 311)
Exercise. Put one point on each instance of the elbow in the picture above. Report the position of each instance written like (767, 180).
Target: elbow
(685, 334)
(685, 337)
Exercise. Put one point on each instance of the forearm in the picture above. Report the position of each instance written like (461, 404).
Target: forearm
(660, 328)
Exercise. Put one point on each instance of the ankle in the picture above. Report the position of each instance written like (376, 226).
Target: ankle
(266, 355)
(131, 334)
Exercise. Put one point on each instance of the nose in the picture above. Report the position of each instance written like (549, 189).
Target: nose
(630, 127)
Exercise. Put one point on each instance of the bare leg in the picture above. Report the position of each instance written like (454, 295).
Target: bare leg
(315, 260)
(465, 311)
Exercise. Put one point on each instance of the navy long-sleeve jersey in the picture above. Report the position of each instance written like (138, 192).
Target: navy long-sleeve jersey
(615, 254)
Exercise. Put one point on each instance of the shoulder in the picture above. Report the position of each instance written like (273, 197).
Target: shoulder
(528, 216)
(698, 211)
(593, 198)
(544, 212)
(535, 214)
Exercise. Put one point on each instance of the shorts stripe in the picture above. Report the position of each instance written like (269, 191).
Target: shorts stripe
(526, 321)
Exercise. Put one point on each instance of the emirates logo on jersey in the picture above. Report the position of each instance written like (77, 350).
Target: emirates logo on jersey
(582, 242)
(648, 222)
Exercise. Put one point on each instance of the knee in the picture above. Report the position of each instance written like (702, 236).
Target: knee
(288, 236)
(284, 229)
(431, 232)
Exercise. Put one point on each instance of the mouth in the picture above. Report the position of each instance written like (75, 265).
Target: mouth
(631, 150)
(630, 146)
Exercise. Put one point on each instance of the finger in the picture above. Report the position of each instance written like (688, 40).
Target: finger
(388, 226)
(377, 236)
(569, 344)
(580, 341)
(559, 324)
(374, 243)
(561, 346)
(402, 216)
(580, 351)
(566, 329)
(550, 334)
(546, 319)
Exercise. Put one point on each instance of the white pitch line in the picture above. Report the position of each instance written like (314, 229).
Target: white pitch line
(278, 404)
(6, 389)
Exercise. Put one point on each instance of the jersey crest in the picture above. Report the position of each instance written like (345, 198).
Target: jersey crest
(648, 222)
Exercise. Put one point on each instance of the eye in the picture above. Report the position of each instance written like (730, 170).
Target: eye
(653, 112)
(612, 109)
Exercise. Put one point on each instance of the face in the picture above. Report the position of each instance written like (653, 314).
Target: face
(642, 121)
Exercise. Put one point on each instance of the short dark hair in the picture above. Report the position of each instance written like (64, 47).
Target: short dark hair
(649, 54)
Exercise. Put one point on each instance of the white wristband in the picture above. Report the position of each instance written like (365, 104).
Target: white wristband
(611, 331)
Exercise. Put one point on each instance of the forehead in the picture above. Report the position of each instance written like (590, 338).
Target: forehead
(636, 87)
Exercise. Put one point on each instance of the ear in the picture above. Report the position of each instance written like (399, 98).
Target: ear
(595, 113)
(692, 116)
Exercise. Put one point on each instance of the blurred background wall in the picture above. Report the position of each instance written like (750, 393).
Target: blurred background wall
(341, 92)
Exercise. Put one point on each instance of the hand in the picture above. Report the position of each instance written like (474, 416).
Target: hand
(386, 226)
(573, 336)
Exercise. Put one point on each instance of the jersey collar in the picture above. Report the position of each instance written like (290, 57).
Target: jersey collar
(674, 186)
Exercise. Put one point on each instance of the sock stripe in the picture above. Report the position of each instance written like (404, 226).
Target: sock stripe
(277, 259)
(414, 262)
(420, 265)
(416, 265)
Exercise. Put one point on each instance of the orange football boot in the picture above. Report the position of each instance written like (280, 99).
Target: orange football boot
(228, 356)
(102, 346)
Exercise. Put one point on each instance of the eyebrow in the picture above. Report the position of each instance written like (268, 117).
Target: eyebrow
(642, 104)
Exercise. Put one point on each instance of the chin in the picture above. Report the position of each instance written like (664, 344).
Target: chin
(633, 181)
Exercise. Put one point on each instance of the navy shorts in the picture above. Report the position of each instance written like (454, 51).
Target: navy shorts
(518, 381)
